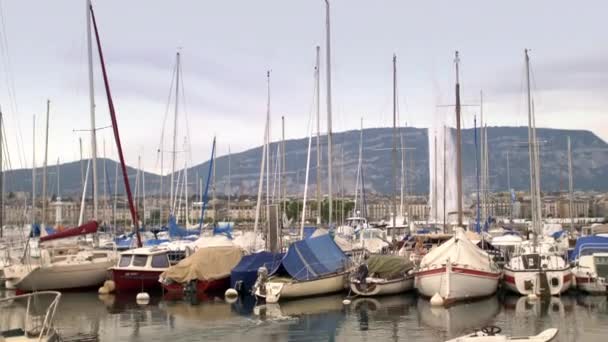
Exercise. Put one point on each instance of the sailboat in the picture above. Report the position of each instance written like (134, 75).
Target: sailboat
(457, 269)
(534, 270)
(71, 265)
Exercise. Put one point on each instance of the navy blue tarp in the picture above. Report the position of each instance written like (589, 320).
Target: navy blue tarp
(246, 270)
(587, 245)
(308, 231)
(313, 258)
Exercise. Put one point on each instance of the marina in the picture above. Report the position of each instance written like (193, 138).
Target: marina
(377, 230)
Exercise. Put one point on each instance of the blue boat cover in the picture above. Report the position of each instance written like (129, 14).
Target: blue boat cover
(246, 270)
(36, 230)
(180, 232)
(223, 228)
(587, 245)
(308, 231)
(313, 258)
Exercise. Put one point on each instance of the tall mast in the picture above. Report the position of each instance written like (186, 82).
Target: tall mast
(394, 147)
(34, 173)
(132, 209)
(282, 184)
(268, 153)
(509, 187)
(143, 193)
(229, 181)
(329, 132)
(186, 183)
(1, 182)
(173, 152)
(482, 163)
(531, 150)
(445, 177)
(105, 185)
(92, 109)
(359, 173)
(46, 154)
(213, 198)
(435, 179)
(318, 104)
(261, 179)
(81, 164)
(570, 186)
(162, 175)
(458, 144)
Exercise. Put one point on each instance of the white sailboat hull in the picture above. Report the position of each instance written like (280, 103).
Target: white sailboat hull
(382, 287)
(529, 282)
(456, 283)
(276, 291)
(64, 276)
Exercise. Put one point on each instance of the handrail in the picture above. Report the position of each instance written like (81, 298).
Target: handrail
(46, 327)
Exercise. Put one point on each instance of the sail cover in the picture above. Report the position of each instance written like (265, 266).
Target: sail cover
(458, 250)
(87, 228)
(247, 269)
(313, 258)
(208, 263)
(388, 266)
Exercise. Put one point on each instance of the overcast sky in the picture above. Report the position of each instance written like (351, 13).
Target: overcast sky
(227, 46)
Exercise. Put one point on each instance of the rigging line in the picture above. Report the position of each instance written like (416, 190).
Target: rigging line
(185, 110)
(161, 146)
(10, 82)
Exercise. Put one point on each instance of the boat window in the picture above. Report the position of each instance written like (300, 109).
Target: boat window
(125, 260)
(140, 260)
(160, 261)
(531, 261)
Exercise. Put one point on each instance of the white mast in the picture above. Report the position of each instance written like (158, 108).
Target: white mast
(143, 193)
(358, 178)
(532, 152)
(46, 154)
(92, 108)
(268, 154)
(306, 182)
(318, 105)
(213, 199)
(84, 194)
(570, 186)
(186, 183)
(261, 179)
(329, 132)
(105, 186)
(177, 72)
(34, 173)
(229, 181)
(394, 147)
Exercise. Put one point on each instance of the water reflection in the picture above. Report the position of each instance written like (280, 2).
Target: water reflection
(458, 319)
(401, 317)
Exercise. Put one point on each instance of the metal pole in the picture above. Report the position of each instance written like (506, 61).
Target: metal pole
(458, 144)
(177, 72)
(46, 154)
(92, 109)
(1, 182)
(318, 104)
(34, 173)
(329, 131)
(570, 186)
(394, 147)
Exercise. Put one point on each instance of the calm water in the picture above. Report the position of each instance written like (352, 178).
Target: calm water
(395, 318)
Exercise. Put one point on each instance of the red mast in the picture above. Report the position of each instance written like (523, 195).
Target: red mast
(134, 215)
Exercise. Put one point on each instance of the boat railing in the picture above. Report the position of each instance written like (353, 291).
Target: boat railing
(39, 325)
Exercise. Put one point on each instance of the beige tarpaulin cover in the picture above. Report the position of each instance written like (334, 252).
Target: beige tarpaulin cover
(208, 263)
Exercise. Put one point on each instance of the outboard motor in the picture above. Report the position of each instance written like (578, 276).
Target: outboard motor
(362, 273)
(260, 282)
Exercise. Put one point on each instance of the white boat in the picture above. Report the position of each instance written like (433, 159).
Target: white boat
(491, 334)
(60, 270)
(457, 270)
(64, 267)
(382, 275)
(591, 264)
(534, 270)
(311, 267)
(35, 324)
(286, 288)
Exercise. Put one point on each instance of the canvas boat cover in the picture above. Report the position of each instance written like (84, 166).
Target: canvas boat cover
(209, 263)
(459, 250)
(587, 245)
(388, 266)
(247, 269)
(313, 258)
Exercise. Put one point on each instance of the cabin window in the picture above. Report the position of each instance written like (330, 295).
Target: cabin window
(160, 261)
(125, 260)
(140, 260)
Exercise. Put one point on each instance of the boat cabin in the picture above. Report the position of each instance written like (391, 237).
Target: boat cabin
(144, 258)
